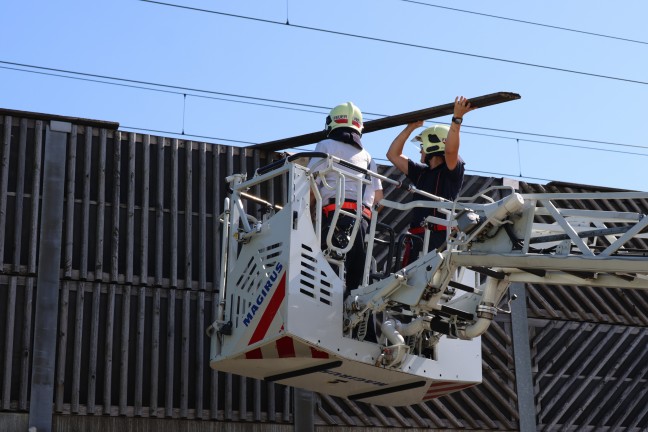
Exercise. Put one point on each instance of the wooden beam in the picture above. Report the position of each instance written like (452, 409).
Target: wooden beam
(390, 121)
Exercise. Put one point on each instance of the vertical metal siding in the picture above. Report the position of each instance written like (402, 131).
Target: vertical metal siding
(140, 265)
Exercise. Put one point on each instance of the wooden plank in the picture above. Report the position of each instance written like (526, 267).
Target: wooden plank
(101, 205)
(145, 168)
(337, 409)
(202, 218)
(286, 404)
(124, 350)
(569, 376)
(213, 405)
(202, 279)
(257, 401)
(139, 351)
(395, 414)
(217, 202)
(461, 409)
(145, 211)
(114, 229)
(93, 349)
(10, 319)
(271, 401)
(465, 399)
(592, 373)
(4, 179)
(487, 397)
(184, 354)
(200, 353)
(243, 396)
(155, 350)
(173, 216)
(78, 346)
(35, 194)
(635, 297)
(411, 413)
(390, 121)
(10, 311)
(624, 383)
(130, 210)
(159, 214)
(170, 364)
(228, 414)
(108, 353)
(85, 204)
(61, 356)
(431, 415)
(364, 418)
(440, 407)
(20, 195)
(26, 344)
(68, 240)
(188, 211)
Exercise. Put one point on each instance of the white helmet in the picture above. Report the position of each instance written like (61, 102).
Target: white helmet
(345, 115)
(433, 139)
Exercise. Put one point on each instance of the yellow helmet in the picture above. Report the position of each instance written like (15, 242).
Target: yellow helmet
(345, 115)
(433, 140)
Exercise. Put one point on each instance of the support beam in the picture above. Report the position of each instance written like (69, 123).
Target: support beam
(522, 356)
(304, 414)
(49, 263)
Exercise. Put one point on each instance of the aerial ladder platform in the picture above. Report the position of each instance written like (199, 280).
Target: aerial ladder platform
(411, 334)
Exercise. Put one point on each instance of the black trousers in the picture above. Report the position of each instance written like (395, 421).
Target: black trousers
(355, 258)
(413, 248)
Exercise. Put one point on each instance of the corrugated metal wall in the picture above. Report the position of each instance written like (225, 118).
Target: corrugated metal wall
(139, 259)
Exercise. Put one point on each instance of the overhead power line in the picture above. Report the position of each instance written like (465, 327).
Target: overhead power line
(526, 22)
(179, 89)
(407, 44)
(286, 105)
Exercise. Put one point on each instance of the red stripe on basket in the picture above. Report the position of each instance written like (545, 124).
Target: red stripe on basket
(285, 347)
(270, 312)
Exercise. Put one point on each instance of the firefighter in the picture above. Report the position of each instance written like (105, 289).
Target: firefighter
(440, 172)
(344, 140)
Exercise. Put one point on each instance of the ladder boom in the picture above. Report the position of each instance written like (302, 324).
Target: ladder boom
(405, 332)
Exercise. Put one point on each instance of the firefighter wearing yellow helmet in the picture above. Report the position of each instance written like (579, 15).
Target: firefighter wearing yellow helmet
(344, 132)
(345, 115)
(432, 141)
(440, 173)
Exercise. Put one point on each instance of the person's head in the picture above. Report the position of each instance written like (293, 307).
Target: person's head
(432, 141)
(345, 115)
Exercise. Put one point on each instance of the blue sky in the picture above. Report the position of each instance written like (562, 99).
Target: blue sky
(241, 75)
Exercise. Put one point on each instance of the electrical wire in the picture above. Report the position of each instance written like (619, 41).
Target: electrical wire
(406, 44)
(146, 85)
(527, 22)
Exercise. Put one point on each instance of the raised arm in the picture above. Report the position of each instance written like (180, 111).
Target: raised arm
(461, 107)
(395, 152)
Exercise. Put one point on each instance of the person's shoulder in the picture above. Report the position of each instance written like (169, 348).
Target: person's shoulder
(415, 169)
(416, 165)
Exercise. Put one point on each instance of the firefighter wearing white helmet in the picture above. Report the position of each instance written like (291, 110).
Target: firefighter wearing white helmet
(344, 133)
(440, 173)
